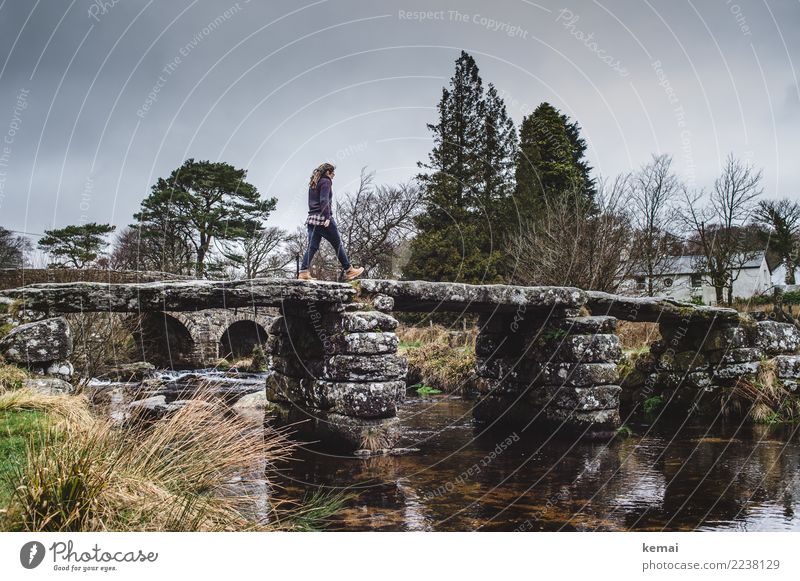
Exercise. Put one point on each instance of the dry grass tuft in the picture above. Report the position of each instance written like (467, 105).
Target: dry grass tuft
(187, 472)
(769, 402)
(637, 336)
(374, 440)
(11, 377)
(74, 409)
(439, 357)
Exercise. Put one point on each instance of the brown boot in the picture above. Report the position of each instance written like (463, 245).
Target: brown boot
(353, 272)
(305, 275)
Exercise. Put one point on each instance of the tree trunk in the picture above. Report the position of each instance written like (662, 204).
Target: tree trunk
(201, 257)
(789, 278)
(720, 292)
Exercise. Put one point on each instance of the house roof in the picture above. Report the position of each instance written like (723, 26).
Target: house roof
(686, 265)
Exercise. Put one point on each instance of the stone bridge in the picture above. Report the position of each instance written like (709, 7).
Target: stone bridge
(545, 355)
(169, 339)
(190, 339)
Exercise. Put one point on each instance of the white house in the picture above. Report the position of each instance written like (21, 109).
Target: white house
(683, 282)
(779, 274)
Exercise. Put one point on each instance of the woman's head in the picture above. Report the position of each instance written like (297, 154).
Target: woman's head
(326, 169)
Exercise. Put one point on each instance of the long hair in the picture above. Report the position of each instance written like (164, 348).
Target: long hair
(318, 173)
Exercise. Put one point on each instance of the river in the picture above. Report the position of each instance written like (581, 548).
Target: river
(726, 476)
(699, 475)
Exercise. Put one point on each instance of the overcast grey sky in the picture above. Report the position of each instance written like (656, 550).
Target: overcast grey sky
(100, 98)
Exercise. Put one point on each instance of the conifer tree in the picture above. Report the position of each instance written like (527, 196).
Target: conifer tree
(468, 184)
(550, 161)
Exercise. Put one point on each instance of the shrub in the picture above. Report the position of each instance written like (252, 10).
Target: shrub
(651, 404)
(101, 340)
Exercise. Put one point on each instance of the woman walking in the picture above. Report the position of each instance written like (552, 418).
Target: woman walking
(321, 224)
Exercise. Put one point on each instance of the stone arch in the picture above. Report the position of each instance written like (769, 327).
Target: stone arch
(166, 340)
(240, 338)
(207, 327)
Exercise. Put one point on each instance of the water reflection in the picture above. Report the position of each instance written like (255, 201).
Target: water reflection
(723, 477)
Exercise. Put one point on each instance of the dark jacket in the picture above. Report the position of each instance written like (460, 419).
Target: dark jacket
(320, 199)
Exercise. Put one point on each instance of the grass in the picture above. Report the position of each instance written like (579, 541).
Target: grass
(624, 431)
(636, 337)
(256, 362)
(6, 328)
(438, 357)
(187, 472)
(16, 429)
(314, 511)
(424, 390)
(71, 409)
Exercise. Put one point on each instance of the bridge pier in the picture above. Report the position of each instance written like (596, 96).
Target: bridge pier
(336, 376)
(557, 369)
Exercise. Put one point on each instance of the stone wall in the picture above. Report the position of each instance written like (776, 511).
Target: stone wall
(19, 277)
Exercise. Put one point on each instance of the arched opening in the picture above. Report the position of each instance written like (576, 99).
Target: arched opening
(165, 341)
(240, 338)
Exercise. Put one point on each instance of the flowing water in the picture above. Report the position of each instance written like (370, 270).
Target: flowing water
(727, 476)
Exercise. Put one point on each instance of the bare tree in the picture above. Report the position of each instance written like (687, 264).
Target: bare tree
(161, 249)
(376, 221)
(654, 190)
(14, 249)
(782, 220)
(258, 255)
(716, 222)
(578, 244)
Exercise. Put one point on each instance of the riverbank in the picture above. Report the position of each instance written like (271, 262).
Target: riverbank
(67, 466)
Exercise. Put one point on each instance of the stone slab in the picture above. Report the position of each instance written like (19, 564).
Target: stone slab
(365, 367)
(599, 397)
(656, 309)
(777, 338)
(425, 296)
(190, 295)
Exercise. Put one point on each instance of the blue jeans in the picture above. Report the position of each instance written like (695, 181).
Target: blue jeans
(329, 233)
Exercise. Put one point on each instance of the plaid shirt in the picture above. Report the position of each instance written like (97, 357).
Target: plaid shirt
(316, 220)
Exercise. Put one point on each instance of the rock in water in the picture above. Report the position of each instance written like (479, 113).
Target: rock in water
(49, 386)
(138, 371)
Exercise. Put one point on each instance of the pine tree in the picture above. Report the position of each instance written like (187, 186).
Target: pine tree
(205, 202)
(468, 184)
(75, 245)
(550, 161)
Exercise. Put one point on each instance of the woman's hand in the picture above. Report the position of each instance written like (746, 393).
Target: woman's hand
(327, 223)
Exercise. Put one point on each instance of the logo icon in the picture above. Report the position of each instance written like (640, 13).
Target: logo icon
(31, 554)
